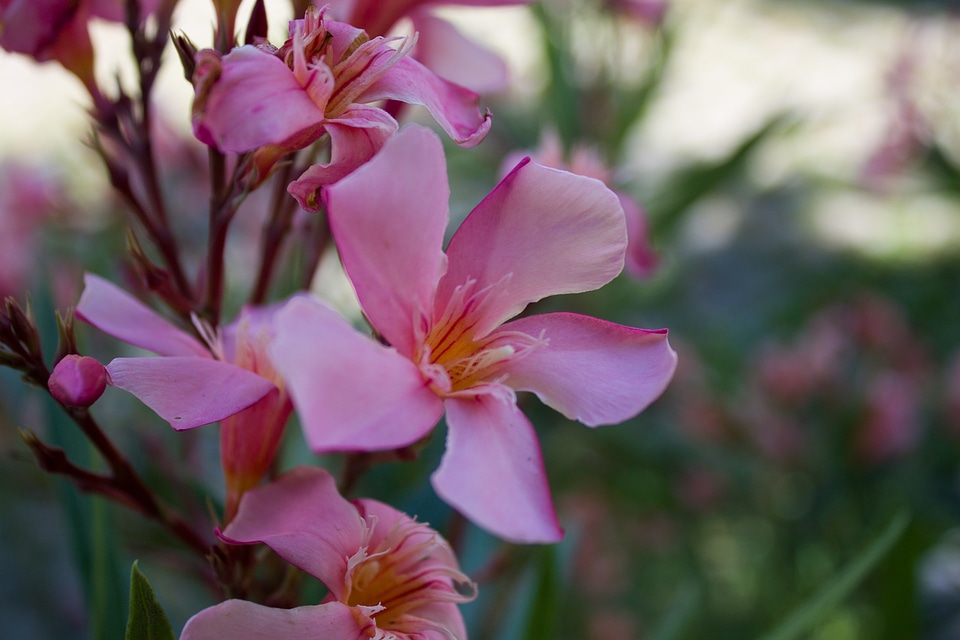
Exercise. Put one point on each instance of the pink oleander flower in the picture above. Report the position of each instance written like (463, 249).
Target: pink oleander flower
(640, 259)
(390, 577)
(322, 80)
(440, 46)
(229, 379)
(541, 232)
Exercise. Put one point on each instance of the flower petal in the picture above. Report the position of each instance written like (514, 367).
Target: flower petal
(351, 393)
(541, 232)
(244, 620)
(446, 52)
(455, 108)
(388, 219)
(256, 101)
(591, 370)
(355, 137)
(187, 391)
(302, 517)
(492, 470)
(117, 313)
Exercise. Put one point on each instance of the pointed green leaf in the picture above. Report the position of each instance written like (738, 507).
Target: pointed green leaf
(824, 601)
(147, 620)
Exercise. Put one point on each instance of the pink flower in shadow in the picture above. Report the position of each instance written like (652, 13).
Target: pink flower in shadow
(389, 576)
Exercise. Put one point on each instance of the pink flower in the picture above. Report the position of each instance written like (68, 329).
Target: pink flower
(440, 46)
(388, 575)
(640, 260)
(321, 81)
(540, 232)
(231, 378)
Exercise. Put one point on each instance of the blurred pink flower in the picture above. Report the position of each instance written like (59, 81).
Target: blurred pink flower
(57, 30)
(273, 102)
(29, 198)
(541, 232)
(892, 423)
(440, 46)
(650, 13)
(388, 575)
(231, 378)
(639, 260)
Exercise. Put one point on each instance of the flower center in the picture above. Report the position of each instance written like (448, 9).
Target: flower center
(454, 358)
(411, 568)
(336, 65)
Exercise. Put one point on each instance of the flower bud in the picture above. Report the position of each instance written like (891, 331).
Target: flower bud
(77, 381)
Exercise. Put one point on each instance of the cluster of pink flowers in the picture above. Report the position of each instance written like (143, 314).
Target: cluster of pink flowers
(448, 331)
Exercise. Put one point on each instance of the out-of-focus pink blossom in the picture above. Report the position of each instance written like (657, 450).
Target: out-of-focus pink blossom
(892, 423)
(77, 381)
(57, 30)
(230, 378)
(951, 393)
(440, 46)
(29, 198)
(650, 13)
(540, 232)
(389, 576)
(640, 260)
(322, 80)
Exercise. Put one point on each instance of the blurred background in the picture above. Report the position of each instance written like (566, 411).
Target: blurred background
(799, 166)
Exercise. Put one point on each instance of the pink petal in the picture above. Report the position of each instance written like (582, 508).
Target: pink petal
(351, 393)
(591, 370)
(243, 620)
(256, 101)
(446, 52)
(187, 391)
(492, 471)
(388, 219)
(302, 517)
(117, 313)
(455, 108)
(355, 137)
(640, 260)
(540, 232)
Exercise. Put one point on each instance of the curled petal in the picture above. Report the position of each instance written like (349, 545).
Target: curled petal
(591, 370)
(304, 519)
(117, 313)
(455, 108)
(540, 232)
(186, 391)
(257, 101)
(355, 137)
(243, 620)
(492, 470)
(388, 220)
(351, 393)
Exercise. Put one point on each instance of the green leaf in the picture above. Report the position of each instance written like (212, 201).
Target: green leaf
(824, 601)
(147, 619)
(544, 605)
(681, 611)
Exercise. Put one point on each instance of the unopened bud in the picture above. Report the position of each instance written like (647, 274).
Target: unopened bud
(77, 381)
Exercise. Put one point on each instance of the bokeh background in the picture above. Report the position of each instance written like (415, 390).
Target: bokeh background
(799, 163)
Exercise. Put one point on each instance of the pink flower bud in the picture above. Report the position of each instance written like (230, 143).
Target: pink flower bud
(77, 381)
